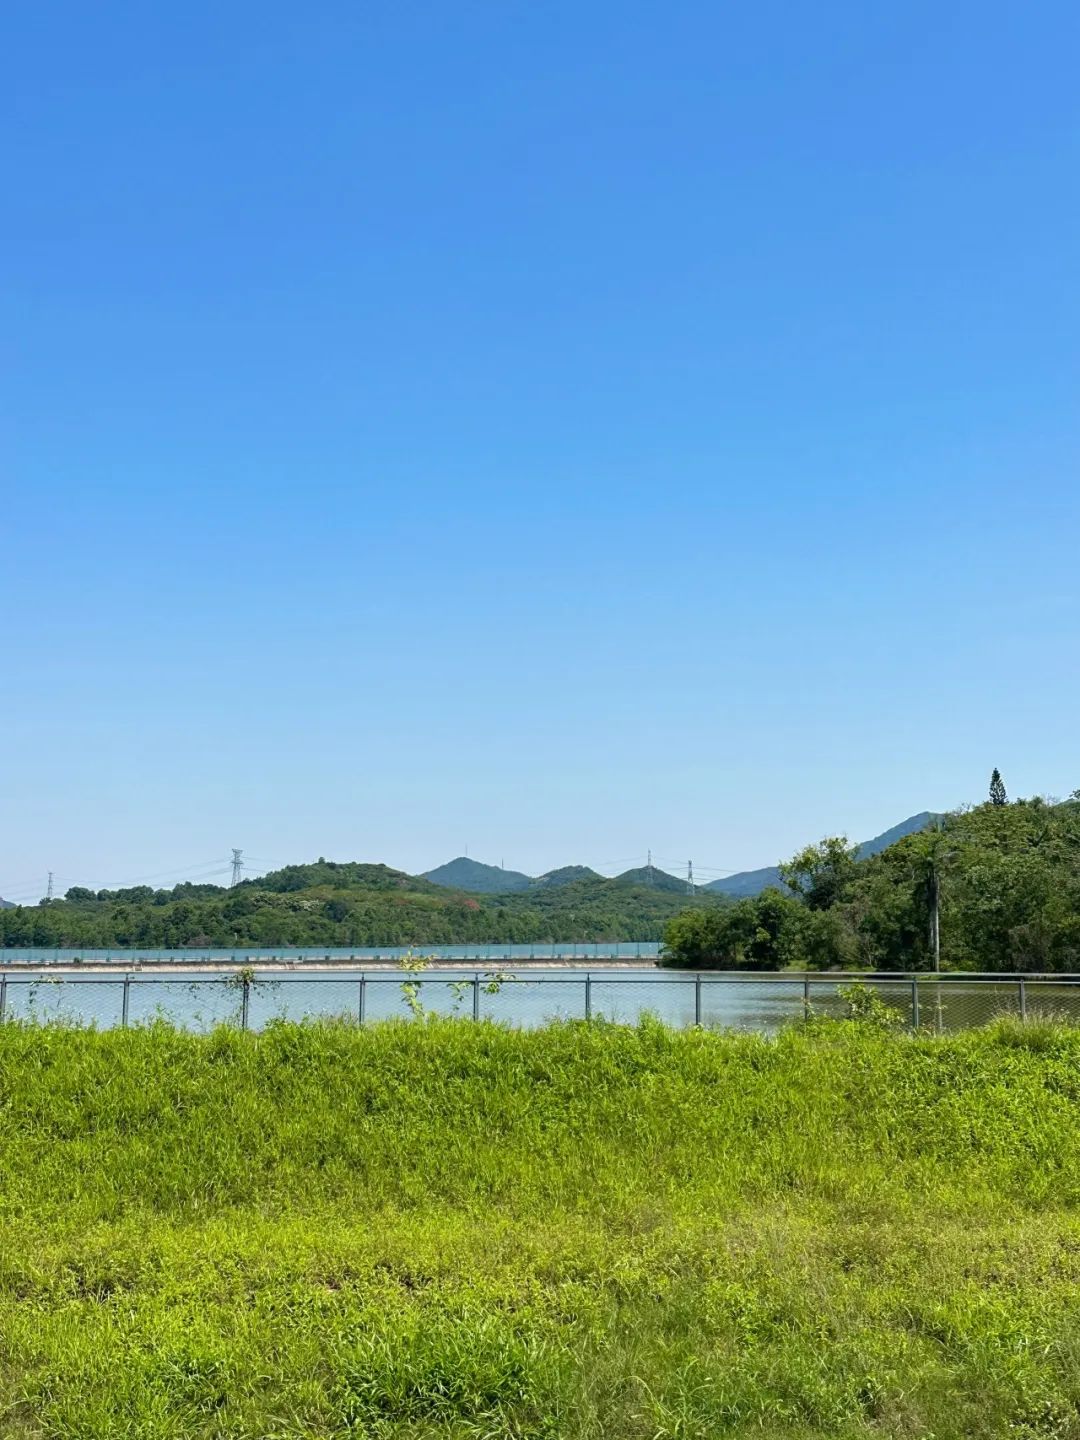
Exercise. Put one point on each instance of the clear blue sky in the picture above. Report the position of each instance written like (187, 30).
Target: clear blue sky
(549, 429)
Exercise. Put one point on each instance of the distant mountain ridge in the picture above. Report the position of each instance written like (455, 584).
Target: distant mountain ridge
(752, 882)
(480, 879)
(652, 877)
(566, 875)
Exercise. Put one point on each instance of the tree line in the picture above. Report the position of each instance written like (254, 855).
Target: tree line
(341, 904)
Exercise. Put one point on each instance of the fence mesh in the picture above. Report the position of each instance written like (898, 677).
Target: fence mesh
(531, 1001)
(58, 1000)
(191, 1004)
(1051, 1000)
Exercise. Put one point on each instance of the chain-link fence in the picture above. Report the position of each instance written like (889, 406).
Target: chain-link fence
(251, 998)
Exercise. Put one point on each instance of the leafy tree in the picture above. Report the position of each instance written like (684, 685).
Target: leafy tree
(929, 853)
(1009, 888)
(821, 940)
(819, 874)
(756, 933)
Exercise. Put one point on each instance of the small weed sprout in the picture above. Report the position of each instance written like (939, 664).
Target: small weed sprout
(410, 988)
(245, 979)
(458, 990)
(490, 983)
(33, 995)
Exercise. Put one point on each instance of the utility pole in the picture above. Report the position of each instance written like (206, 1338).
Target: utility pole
(237, 866)
(49, 887)
(690, 877)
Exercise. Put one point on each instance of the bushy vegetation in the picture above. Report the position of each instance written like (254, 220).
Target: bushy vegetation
(1000, 883)
(342, 903)
(442, 1229)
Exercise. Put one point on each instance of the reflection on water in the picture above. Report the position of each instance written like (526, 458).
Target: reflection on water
(198, 1001)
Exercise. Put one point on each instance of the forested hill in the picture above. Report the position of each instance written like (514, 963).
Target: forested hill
(480, 879)
(752, 882)
(1003, 880)
(1007, 876)
(346, 903)
(477, 878)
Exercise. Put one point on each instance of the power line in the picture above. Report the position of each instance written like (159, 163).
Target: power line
(207, 865)
(709, 869)
(204, 870)
(188, 877)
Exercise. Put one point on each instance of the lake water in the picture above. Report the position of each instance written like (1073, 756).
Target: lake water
(198, 1001)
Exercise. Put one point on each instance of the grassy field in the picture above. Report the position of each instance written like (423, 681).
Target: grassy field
(453, 1230)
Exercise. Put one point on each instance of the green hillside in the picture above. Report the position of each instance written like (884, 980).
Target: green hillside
(752, 882)
(477, 878)
(566, 875)
(1002, 879)
(653, 879)
(347, 903)
(1008, 880)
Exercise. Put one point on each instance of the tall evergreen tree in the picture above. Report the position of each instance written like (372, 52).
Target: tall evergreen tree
(997, 789)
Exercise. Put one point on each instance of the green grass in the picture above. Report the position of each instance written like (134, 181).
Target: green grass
(455, 1230)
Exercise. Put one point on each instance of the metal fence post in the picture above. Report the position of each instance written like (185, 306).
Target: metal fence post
(697, 1000)
(245, 1003)
(125, 1005)
(363, 997)
(588, 996)
(806, 997)
(476, 997)
(3, 997)
(1023, 1000)
(914, 1002)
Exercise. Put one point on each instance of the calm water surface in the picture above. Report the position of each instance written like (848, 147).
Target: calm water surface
(200, 1000)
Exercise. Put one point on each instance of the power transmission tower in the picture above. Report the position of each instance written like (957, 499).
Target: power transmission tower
(237, 866)
(690, 878)
(48, 888)
(648, 870)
